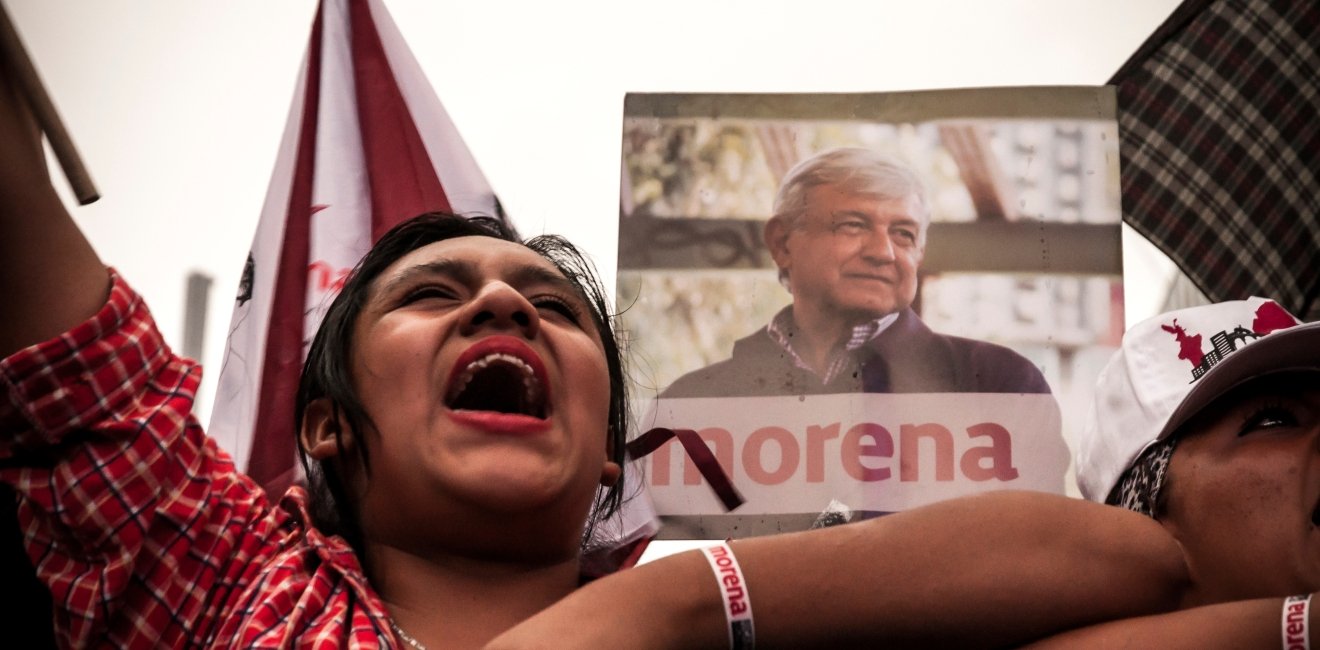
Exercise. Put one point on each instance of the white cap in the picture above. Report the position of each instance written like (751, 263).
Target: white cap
(1172, 366)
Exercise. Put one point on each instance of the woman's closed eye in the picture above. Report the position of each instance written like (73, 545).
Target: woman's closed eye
(558, 305)
(427, 291)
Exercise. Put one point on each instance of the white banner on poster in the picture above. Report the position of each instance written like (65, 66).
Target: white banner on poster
(870, 452)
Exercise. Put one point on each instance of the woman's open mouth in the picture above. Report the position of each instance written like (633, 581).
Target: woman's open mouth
(499, 375)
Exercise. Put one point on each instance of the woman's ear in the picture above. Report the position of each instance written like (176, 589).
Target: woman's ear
(323, 432)
(610, 473)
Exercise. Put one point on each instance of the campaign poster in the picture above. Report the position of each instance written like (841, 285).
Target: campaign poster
(863, 303)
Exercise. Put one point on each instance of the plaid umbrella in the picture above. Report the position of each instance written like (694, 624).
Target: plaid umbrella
(1219, 115)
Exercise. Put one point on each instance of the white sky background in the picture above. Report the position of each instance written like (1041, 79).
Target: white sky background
(178, 107)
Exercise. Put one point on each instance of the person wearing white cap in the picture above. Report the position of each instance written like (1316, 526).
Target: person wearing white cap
(1208, 421)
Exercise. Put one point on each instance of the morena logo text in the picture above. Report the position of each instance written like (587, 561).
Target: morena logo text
(866, 452)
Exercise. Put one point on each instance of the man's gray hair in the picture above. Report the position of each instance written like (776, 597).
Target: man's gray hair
(853, 170)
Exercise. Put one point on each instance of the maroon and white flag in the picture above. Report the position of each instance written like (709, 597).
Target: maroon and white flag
(367, 145)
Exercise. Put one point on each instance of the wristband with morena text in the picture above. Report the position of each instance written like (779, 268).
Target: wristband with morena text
(733, 590)
(1296, 612)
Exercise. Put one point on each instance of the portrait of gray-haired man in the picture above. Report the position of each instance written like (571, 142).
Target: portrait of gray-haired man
(848, 234)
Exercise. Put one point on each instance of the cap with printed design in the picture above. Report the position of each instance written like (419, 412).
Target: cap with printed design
(1172, 366)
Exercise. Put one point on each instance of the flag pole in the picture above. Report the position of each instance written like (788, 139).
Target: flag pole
(14, 56)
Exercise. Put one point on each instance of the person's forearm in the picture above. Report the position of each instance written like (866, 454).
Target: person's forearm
(1230, 626)
(672, 602)
(50, 277)
(987, 571)
(977, 572)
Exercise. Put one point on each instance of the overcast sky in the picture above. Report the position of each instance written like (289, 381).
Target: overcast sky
(178, 107)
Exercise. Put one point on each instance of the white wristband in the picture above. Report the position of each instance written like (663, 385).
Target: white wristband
(1296, 612)
(733, 588)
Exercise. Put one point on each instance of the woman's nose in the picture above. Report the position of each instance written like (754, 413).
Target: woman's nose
(500, 307)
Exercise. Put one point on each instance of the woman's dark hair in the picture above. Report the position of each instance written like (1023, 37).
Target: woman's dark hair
(326, 372)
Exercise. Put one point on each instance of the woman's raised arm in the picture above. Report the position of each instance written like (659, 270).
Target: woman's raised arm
(50, 277)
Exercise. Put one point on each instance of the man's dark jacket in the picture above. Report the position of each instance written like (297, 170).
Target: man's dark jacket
(906, 358)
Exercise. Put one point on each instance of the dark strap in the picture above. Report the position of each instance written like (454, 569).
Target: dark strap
(700, 454)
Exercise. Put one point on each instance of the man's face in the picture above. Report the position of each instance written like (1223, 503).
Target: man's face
(851, 258)
(1243, 490)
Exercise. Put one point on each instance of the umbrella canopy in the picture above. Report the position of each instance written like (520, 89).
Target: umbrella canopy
(1219, 116)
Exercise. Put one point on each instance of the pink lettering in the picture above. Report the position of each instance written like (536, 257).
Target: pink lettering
(816, 437)
(908, 461)
(788, 455)
(852, 450)
(999, 453)
(723, 449)
(772, 455)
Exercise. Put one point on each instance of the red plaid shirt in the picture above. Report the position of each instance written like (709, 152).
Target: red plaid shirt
(142, 528)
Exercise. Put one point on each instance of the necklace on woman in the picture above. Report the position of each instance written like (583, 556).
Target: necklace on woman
(404, 635)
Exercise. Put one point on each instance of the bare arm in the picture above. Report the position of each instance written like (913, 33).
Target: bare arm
(986, 571)
(50, 277)
(1231, 626)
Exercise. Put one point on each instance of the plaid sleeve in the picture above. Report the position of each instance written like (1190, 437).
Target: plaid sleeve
(121, 487)
(87, 376)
